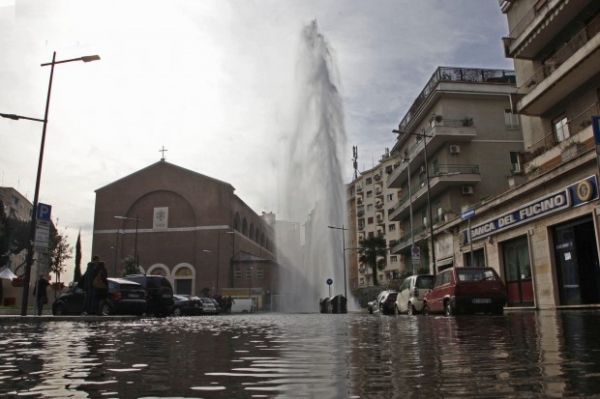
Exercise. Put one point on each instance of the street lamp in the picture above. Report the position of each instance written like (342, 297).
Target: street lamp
(343, 229)
(29, 259)
(135, 240)
(425, 136)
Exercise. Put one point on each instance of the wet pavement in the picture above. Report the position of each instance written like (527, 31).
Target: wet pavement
(522, 354)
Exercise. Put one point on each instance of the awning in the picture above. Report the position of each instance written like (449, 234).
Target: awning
(7, 274)
(444, 262)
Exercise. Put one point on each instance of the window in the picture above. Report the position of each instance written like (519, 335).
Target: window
(392, 227)
(369, 194)
(369, 180)
(369, 207)
(390, 197)
(370, 220)
(560, 127)
(393, 258)
(511, 121)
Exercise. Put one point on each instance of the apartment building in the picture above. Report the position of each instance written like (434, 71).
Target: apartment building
(542, 234)
(456, 146)
(368, 199)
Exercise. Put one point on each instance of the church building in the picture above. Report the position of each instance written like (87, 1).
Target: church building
(188, 227)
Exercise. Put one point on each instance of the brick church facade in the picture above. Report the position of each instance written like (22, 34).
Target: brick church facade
(188, 227)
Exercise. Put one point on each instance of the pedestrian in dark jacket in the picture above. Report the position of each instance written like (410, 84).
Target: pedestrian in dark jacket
(88, 285)
(100, 287)
(40, 293)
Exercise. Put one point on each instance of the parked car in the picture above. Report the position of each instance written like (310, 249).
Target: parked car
(218, 307)
(209, 305)
(372, 306)
(242, 305)
(124, 297)
(386, 301)
(466, 290)
(186, 305)
(159, 293)
(412, 292)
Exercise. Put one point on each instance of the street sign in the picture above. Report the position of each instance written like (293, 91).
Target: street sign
(329, 281)
(43, 212)
(415, 253)
(42, 234)
(468, 214)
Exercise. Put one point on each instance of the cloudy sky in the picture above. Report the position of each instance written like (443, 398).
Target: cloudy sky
(213, 82)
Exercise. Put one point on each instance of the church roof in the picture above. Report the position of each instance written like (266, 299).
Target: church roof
(163, 164)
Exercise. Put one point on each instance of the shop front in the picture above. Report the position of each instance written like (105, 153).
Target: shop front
(546, 250)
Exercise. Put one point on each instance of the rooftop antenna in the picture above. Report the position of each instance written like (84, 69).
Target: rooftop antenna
(163, 150)
(355, 160)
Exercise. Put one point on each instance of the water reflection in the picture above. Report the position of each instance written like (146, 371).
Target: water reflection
(313, 356)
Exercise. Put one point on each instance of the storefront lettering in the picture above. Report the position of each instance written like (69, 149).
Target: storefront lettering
(543, 206)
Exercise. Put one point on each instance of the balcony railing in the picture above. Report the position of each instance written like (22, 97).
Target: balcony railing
(450, 170)
(526, 20)
(575, 125)
(562, 54)
(450, 74)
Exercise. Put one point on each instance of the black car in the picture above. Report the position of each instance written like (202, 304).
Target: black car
(159, 293)
(186, 305)
(124, 297)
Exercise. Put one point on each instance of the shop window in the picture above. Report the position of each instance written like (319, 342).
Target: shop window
(560, 127)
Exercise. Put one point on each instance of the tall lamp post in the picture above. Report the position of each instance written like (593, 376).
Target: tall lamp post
(29, 259)
(343, 229)
(135, 240)
(425, 136)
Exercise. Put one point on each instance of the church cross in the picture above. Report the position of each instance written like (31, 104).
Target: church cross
(163, 150)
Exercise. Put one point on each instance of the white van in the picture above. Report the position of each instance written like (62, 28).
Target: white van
(412, 292)
(242, 305)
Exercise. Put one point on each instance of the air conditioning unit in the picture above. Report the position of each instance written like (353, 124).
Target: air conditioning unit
(454, 149)
(467, 190)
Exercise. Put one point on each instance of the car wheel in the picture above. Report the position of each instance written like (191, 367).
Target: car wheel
(177, 312)
(105, 310)
(448, 308)
(410, 310)
(58, 310)
(425, 309)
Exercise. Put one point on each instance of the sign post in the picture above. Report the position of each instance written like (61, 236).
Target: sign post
(329, 282)
(415, 254)
(468, 215)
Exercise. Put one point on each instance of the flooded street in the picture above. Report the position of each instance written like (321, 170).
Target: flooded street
(526, 354)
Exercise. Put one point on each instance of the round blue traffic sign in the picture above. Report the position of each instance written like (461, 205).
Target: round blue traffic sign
(329, 281)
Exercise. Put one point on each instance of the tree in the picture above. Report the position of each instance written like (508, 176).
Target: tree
(369, 250)
(77, 272)
(60, 252)
(129, 266)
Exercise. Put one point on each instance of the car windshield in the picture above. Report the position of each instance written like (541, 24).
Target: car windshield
(424, 282)
(476, 274)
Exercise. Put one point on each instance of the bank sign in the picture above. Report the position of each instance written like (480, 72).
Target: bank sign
(576, 194)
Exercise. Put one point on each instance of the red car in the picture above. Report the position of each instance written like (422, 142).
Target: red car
(466, 290)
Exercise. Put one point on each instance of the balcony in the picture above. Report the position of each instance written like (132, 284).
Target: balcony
(568, 68)
(419, 233)
(441, 132)
(441, 179)
(458, 75)
(547, 152)
(540, 26)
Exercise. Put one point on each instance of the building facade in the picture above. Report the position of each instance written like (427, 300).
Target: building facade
(455, 146)
(368, 199)
(542, 234)
(190, 228)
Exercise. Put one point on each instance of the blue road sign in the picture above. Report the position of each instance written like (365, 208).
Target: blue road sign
(596, 127)
(329, 281)
(43, 212)
(468, 214)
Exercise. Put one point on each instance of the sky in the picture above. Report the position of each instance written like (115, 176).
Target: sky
(212, 81)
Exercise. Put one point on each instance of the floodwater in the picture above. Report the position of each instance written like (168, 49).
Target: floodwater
(528, 354)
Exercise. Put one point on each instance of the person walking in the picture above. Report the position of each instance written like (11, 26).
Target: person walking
(40, 293)
(100, 287)
(88, 285)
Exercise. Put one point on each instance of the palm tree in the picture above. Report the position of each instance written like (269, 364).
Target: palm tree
(370, 249)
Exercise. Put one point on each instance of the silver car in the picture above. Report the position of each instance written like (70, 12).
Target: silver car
(412, 292)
